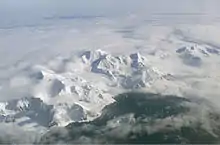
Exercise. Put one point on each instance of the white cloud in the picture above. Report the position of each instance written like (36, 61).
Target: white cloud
(28, 39)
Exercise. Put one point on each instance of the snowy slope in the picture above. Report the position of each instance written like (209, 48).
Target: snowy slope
(59, 66)
(132, 71)
(76, 86)
(193, 55)
(61, 95)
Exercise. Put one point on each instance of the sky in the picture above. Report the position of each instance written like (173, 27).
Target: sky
(125, 27)
(29, 12)
(38, 44)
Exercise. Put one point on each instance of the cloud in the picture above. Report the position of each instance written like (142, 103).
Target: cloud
(182, 121)
(10, 134)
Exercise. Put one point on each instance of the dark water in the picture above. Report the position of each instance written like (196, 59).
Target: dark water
(141, 118)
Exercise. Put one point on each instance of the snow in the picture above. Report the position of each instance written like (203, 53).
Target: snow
(68, 66)
(68, 96)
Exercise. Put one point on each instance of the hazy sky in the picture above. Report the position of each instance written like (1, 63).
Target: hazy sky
(31, 11)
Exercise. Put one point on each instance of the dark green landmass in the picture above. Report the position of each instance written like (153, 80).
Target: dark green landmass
(142, 118)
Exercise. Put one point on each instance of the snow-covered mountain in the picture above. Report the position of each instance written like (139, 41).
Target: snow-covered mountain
(193, 55)
(129, 72)
(151, 119)
(77, 87)
(65, 61)
(61, 93)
